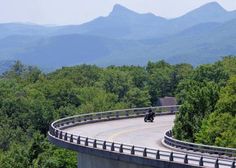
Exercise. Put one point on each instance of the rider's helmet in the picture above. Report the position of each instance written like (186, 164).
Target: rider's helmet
(149, 110)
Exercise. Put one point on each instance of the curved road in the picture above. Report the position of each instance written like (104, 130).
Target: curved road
(135, 132)
(129, 131)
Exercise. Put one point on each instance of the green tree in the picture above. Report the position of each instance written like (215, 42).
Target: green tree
(138, 98)
(227, 99)
(198, 101)
(229, 64)
(214, 73)
(94, 100)
(116, 82)
(220, 128)
(160, 80)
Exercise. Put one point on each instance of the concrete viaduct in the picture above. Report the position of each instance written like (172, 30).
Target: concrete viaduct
(121, 139)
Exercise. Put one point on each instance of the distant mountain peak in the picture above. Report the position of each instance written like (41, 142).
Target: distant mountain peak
(208, 12)
(211, 7)
(120, 10)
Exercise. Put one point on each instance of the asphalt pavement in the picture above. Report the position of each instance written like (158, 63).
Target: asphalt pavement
(129, 131)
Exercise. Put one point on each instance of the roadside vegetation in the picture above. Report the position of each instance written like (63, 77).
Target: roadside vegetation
(208, 98)
(30, 100)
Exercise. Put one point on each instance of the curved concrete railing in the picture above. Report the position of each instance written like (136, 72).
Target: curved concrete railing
(169, 140)
(60, 137)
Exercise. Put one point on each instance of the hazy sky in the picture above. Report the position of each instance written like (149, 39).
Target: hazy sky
(79, 11)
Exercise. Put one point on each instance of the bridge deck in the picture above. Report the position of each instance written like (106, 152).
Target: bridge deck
(129, 131)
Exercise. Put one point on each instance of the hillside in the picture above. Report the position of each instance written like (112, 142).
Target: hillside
(5, 66)
(31, 100)
(124, 37)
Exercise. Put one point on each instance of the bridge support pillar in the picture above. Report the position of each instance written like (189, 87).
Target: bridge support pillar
(91, 161)
(95, 161)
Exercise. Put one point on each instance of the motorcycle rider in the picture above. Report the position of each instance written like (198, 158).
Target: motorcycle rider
(149, 116)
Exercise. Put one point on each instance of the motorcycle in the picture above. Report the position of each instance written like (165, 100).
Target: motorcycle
(150, 116)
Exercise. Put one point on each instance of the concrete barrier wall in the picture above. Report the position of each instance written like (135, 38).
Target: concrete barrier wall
(92, 161)
(95, 158)
(102, 154)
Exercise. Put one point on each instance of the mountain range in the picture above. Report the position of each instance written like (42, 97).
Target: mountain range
(124, 37)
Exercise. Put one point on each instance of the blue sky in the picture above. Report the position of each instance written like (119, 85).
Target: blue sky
(62, 12)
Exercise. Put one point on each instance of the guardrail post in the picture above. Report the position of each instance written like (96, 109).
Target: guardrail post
(186, 159)
(121, 148)
(95, 143)
(145, 152)
(137, 112)
(86, 142)
(132, 150)
(126, 113)
(78, 140)
(99, 116)
(65, 137)
(104, 145)
(71, 138)
(217, 163)
(56, 133)
(60, 136)
(171, 157)
(117, 114)
(108, 115)
(158, 155)
(201, 161)
(112, 146)
(233, 164)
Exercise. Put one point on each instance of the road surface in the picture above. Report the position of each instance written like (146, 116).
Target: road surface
(128, 131)
(135, 132)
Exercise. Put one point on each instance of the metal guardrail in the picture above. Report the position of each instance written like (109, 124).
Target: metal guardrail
(169, 140)
(56, 131)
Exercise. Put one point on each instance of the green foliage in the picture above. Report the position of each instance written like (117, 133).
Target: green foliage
(38, 153)
(215, 73)
(181, 71)
(24, 73)
(208, 113)
(94, 100)
(218, 129)
(198, 101)
(229, 64)
(83, 75)
(30, 100)
(56, 158)
(116, 82)
(227, 101)
(160, 80)
(17, 156)
(138, 98)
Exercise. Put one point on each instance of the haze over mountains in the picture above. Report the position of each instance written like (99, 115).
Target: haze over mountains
(124, 37)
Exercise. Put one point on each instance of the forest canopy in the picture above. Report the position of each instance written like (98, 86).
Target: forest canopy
(31, 99)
